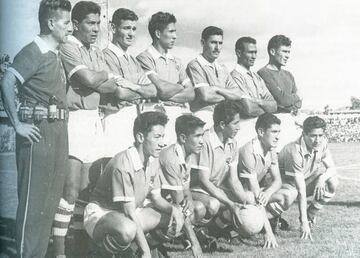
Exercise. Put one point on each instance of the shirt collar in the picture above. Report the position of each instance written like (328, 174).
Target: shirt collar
(303, 148)
(118, 51)
(242, 70)
(73, 39)
(43, 46)
(180, 154)
(135, 158)
(156, 54)
(205, 62)
(215, 141)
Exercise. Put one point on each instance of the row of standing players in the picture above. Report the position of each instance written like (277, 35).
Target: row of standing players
(54, 157)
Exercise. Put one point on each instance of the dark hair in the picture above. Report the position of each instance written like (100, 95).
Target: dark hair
(313, 122)
(83, 8)
(159, 21)
(266, 120)
(145, 121)
(47, 9)
(123, 14)
(241, 41)
(278, 41)
(211, 30)
(225, 111)
(187, 124)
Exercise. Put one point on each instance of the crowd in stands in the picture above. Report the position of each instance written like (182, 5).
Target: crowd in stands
(343, 129)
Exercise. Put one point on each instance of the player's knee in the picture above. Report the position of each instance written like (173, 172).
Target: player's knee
(332, 184)
(126, 232)
(288, 199)
(199, 211)
(213, 206)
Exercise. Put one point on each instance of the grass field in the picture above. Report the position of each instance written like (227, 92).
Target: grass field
(337, 233)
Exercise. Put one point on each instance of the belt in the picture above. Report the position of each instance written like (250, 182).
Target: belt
(39, 113)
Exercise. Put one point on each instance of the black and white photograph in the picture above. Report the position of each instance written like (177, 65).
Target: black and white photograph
(178, 128)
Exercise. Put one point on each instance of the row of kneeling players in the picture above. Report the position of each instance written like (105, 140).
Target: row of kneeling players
(200, 176)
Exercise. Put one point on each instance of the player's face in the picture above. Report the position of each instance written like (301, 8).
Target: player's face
(232, 128)
(154, 141)
(281, 55)
(270, 136)
(168, 36)
(62, 26)
(88, 29)
(124, 34)
(212, 47)
(248, 55)
(195, 141)
(314, 138)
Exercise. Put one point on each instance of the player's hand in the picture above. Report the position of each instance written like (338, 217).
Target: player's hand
(29, 131)
(263, 198)
(187, 207)
(235, 209)
(270, 241)
(178, 217)
(305, 231)
(319, 190)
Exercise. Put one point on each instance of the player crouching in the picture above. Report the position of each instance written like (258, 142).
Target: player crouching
(307, 169)
(117, 214)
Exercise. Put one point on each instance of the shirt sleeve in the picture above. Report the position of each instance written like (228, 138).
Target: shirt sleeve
(112, 64)
(240, 82)
(122, 187)
(264, 92)
(147, 63)
(246, 165)
(197, 75)
(71, 58)
(229, 81)
(25, 64)
(183, 77)
(291, 163)
(203, 159)
(171, 175)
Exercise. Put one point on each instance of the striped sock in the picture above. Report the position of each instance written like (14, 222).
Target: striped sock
(275, 209)
(78, 218)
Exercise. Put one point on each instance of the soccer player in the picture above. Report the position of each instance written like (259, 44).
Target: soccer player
(258, 166)
(166, 72)
(119, 114)
(211, 80)
(40, 126)
(176, 163)
(118, 214)
(257, 99)
(214, 179)
(307, 169)
(85, 68)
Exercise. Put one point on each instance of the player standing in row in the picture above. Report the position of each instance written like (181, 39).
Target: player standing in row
(121, 111)
(307, 169)
(85, 68)
(40, 126)
(211, 79)
(118, 213)
(257, 99)
(166, 72)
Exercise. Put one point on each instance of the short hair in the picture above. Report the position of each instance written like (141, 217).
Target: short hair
(241, 41)
(278, 41)
(211, 30)
(123, 14)
(83, 8)
(266, 120)
(145, 121)
(313, 122)
(159, 21)
(187, 124)
(225, 111)
(47, 9)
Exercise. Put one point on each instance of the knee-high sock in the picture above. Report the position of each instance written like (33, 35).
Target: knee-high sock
(62, 218)
(78, 219)
(317, 205)
(275, 209)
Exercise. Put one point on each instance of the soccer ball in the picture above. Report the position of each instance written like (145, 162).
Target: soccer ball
(249, 220)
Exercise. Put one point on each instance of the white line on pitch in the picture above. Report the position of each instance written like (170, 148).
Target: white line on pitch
(349, 166)
(348, 178)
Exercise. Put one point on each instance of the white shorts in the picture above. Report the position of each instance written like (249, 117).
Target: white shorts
(92, 214)
(86, 135)
(207, 117)
(118, 130)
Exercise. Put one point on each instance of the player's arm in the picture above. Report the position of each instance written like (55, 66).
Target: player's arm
(276, 182)
(29, 131)
(184, 96)
(165, 89)
(269, 106)
(301, 188)
(269, 237)
(251, 107)
(129, 211)
(230, 94)
(236, 187)
(174, 212)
